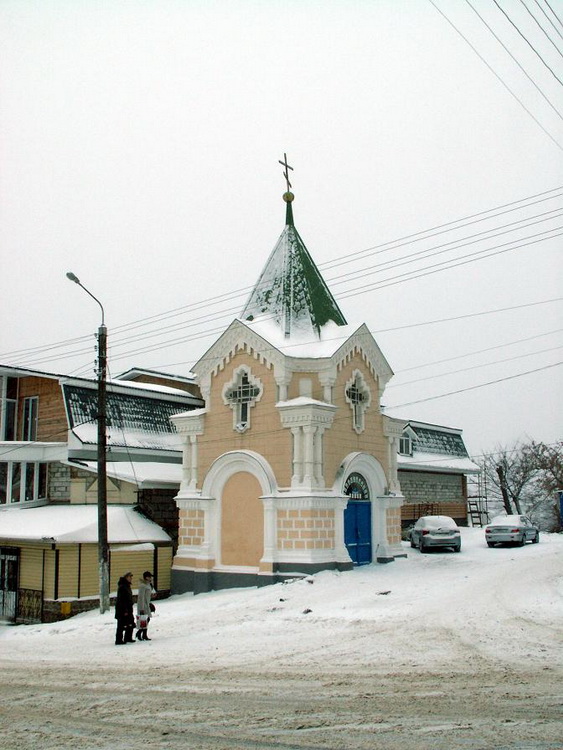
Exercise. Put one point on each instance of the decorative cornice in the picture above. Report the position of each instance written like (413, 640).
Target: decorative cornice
(298, 413)
(189, 423)
(239, 338)
(362, 342)
(393, 427)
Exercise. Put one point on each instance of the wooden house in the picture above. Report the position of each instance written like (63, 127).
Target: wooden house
(48, 488)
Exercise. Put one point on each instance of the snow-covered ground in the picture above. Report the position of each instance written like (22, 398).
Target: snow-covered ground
(478, 619)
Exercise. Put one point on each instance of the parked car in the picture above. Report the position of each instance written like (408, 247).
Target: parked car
(511, 530)
(436, 531)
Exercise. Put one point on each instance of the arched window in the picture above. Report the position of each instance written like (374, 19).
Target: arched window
(356, 487)
(405, 443)
(241, 394)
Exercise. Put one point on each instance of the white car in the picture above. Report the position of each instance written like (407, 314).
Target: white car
(511, 530)
(436, 531)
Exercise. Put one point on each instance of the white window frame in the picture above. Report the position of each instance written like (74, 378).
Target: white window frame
(241, 408)
(30, 416)
(406, 442)
(358, 407)
(21, 499)
(4, 402)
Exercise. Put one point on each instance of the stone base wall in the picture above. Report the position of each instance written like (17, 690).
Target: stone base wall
(55, 611)
(209, 580)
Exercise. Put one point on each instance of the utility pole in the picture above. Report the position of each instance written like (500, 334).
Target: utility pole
(103, 553)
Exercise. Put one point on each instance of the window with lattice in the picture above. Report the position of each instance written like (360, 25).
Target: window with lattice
(241, 394)
(359, 398)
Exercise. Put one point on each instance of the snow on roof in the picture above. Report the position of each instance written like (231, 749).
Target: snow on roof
(146, 387)
(304, 401)
(134, 372)
(119, 437)
(78, 524)
(436, 462)
(302, 344)
(143, 474)
(291, 290)
(132, 421)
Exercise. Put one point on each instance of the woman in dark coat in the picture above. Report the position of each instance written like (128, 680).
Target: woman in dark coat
(124, 611)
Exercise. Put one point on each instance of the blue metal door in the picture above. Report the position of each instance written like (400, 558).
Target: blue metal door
(357, 531)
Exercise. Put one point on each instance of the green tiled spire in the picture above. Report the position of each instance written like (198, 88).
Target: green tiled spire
(290, 290)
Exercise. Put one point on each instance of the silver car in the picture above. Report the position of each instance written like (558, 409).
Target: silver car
(511, 530)
(436, 531)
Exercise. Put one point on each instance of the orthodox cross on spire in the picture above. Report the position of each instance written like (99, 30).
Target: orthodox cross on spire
(290, 290)
(285, 172)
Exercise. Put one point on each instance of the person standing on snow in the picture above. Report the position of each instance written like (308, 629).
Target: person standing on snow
(124, 611)
(144, 606)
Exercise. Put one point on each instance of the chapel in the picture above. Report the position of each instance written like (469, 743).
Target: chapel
(290, 468)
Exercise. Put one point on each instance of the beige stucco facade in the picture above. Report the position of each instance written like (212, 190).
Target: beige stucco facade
(263, 496)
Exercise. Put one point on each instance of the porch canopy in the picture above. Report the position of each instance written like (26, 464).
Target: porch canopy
(78, 524)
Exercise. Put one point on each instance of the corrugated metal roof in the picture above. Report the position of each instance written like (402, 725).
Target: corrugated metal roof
(429, 440)
(141, 421)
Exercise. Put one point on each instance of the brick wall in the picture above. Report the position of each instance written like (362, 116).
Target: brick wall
(58, 488)
(393, 525)
(420, 487)
(160, 507)
(305, 529)
(192, 529)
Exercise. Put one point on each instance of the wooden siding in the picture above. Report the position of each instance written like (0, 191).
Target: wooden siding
(164, 568)
(89, 574)
(413, 511)
(68, 572)
(31, 568)
(49, 580)
(51, 420)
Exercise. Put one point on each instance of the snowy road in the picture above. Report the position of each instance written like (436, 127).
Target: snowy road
(434, 651)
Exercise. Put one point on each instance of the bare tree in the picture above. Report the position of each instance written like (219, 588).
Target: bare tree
(549, 462)
(509, 471)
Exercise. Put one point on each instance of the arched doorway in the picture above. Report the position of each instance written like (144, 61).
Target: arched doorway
(357, 519)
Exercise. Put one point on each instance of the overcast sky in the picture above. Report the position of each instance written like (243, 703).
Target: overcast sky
(139, 149)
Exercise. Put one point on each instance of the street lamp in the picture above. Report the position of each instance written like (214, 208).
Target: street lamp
(103, 555)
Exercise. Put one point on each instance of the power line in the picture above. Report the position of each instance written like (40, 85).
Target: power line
(210, 302)
(470, 259)
(478, 351)
(551, 9)
(400, 278)
(503, 45)
(358, 290)
(428, 252)
(408, 326)
(353, 275)
(542, 28)
(433, 232)
(497, 76)
(475, 387)
(474, 367)
(528, 42)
